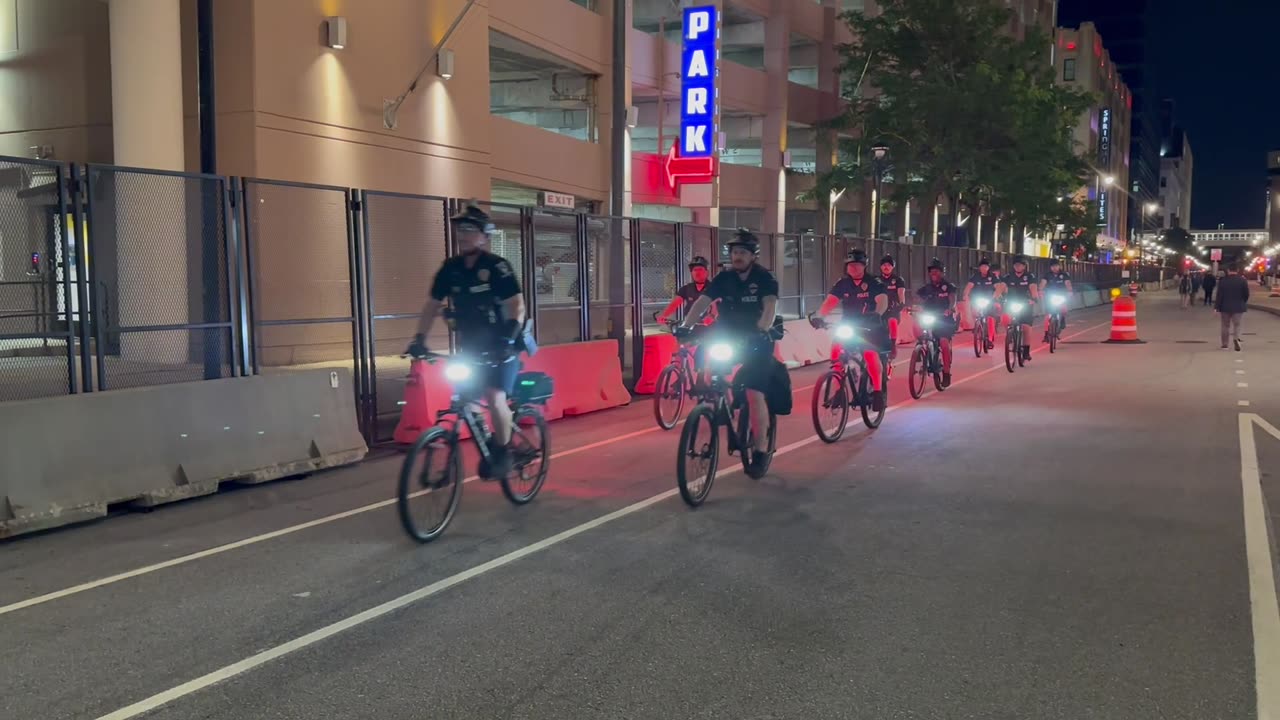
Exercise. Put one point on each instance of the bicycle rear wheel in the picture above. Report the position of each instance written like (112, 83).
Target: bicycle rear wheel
(428, 498)
(699, 454)
(1010, 359)
(919, 371)
(1022, 356)
(530, 455)
(979, 337)
(1055, 327)
(831, 398)
(936, 366)
(668, 397)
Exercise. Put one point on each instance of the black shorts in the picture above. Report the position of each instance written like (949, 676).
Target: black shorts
(875, 337)
(945, 327)
(502, 377)
(756, 370)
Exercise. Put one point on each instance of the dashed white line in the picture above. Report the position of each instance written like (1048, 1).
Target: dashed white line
(1239, 372)
(1242, 403)
(1242, 385)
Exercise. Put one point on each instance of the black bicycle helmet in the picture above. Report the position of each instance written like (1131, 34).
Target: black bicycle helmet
(473, 217)
(1055, 261)
(936, 264)
(1019, 260)
(699, 261)
(888, 259)
(984, 261)
(857, 256)
(745, 239)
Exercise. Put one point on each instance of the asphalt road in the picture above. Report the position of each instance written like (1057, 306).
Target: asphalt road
(1066, 542)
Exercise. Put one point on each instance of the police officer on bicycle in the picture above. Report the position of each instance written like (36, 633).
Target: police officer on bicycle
(485, 307)
(687, 295)
(1021, 285)
(938, 297)
(864, 302)
(984, 285)
(748, 297)
(896, 286)
(1056, 282)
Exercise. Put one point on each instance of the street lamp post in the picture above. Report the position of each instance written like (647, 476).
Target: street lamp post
(878, 153)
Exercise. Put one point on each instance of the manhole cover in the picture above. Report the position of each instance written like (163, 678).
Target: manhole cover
(1191, 342)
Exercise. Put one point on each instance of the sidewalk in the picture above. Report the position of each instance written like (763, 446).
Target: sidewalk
(1260, 299)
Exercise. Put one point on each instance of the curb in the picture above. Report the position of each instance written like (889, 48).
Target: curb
(1264, 308)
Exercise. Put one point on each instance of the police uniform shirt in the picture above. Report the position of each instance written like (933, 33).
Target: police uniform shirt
(1019, 285)
(891, 285)
(476, 295)
(984, 285)
(1058, 279)
(741, 300)
(858, 299)
(690, 294)
(937, 297)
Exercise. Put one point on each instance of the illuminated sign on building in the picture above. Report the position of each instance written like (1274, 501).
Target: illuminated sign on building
(1104, 139)
(698, 101)
(1102, 207)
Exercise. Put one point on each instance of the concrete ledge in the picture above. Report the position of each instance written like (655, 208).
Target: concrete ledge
(1269, 309)
(68, 459)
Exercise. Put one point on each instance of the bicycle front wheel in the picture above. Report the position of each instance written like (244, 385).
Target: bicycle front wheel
(1055, 327)
(430, 485)
(979, 337)
(831, 406)
(919, 371)
(530, 455)
(698, 456)
(668, 397)
(1010, 358)
(755, 469)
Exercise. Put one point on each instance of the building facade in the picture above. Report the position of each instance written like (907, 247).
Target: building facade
(1125, 25)
(1177, 166)
(1103, 132)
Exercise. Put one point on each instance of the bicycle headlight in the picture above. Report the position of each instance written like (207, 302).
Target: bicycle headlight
(927, 320)
(720, 352)
(1057, 300)
(982, 303)
(1016, 307)
(457, 372)
(844, 332)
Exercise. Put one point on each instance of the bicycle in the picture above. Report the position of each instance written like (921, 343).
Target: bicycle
(530, 458)
(984, 340)
(926, 358)
(847, 383)
(1013, 338)
(675, 383)
(1056, 302)
(722, 403)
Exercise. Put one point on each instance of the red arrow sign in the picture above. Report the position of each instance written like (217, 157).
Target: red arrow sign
(688, 169)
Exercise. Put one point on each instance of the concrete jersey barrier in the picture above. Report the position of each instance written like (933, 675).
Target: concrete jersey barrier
(67, 459)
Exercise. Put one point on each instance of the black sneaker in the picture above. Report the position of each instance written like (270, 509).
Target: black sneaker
(1237, 341)
(1026, 353)
(1046, 336)
(877, 401)
(946, 380)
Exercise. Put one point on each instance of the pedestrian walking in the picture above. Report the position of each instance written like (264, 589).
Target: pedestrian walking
(1197, 281)
(1232, 304)
(1184, 289)
(1210, 281)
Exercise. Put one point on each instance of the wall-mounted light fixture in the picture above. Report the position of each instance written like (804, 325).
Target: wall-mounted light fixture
(633, 116)
(444, 63)
(337, 32)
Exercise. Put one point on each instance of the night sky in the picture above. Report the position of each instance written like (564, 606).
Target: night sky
(1217, 61)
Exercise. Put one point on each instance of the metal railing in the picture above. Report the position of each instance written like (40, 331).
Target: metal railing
(148, 277)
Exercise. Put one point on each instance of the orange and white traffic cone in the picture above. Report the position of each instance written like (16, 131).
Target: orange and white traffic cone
(1124, 322)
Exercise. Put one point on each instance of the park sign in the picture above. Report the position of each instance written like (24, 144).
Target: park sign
(698, 76)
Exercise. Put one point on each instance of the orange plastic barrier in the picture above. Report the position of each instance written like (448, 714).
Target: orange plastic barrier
(1124, 321)
(906, 329)
(425, 394)
(658, 349)
(587, 377)
(966, 316)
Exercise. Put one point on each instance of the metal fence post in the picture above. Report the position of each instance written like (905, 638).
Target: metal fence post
(240, 291)
(584, 278)
(357, 260)
(637, 302)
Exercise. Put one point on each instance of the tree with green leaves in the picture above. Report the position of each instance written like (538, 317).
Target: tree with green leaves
(967, 111)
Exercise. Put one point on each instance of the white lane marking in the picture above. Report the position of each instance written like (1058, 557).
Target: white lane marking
(1239, 361)
(1242, 403)
(225, 673)
(1262, 581)
(1242, 385)
(253, 540)
(1239, 372)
